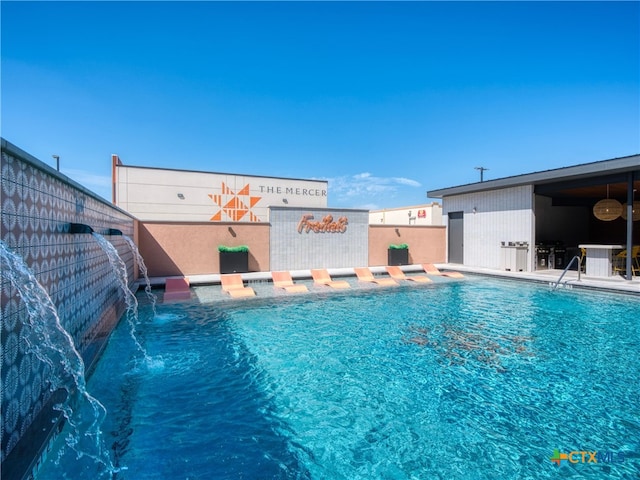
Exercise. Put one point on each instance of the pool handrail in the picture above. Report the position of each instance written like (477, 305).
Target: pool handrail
(577, 257)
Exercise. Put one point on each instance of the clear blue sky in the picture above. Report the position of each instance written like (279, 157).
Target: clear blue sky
(384, 100)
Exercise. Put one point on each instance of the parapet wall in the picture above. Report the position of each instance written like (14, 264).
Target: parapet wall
(190, 248)
(427, 244)
(38, 203)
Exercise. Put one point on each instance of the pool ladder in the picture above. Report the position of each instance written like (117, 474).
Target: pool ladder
(579, 259)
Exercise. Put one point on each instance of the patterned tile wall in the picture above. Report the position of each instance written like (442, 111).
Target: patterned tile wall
(294, 250)
(37, 205)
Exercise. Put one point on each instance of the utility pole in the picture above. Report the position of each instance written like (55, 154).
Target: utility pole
(482, 169)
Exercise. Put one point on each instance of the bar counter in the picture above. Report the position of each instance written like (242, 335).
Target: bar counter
(600, 259)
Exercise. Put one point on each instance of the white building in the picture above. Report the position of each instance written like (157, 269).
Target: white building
(427, 214)
(160, 194)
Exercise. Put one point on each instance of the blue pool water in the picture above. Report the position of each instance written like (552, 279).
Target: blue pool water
(478, 379)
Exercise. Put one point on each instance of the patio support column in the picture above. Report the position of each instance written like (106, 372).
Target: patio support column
(629, 258)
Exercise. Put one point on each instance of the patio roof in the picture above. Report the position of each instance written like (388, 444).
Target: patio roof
(580, 179)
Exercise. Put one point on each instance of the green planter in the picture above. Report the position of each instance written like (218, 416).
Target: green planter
(234, 259)
(398, 254)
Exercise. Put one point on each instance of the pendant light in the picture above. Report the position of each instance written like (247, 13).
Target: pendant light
(607, 209)
(635, 209)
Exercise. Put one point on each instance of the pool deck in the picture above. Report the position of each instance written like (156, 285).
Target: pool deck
(570, 280)
(551, 276)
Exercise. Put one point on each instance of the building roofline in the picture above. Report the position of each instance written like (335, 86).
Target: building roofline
(317, 209)
(603, 167)
(392, 209)
(122, 165)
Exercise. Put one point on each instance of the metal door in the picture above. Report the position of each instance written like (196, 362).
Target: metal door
(456, 237)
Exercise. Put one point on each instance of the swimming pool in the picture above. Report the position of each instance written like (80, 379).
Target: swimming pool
(479, 379)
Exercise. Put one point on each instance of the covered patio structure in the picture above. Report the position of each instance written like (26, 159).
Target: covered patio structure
(592, 204)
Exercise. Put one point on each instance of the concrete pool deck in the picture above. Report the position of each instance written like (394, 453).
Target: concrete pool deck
(570, 280)
(551, 276)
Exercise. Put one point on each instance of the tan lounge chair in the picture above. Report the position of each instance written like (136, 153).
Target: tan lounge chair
(176, 289)
(431, 269)
(397, 274)
(365, 275)
(284, 280)
(322, 277)
(234, 286)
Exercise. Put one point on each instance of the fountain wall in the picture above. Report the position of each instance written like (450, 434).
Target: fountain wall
(38, 204)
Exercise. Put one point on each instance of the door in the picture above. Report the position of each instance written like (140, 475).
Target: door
(456, 237)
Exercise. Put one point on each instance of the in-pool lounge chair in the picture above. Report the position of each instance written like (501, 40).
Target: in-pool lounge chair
(233, 285)
(176, 289)
(397, 274)
(431, 269)
(322, 277)
(284, 280)
(365, 275)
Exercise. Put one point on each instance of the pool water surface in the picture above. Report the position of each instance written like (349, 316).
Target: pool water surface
(473, 379)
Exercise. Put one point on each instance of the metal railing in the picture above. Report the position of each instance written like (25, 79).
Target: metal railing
(579, 259)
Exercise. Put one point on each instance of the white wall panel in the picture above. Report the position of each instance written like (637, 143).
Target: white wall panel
(181, 195)
(428, 214)
(492, 217)
(293, 248)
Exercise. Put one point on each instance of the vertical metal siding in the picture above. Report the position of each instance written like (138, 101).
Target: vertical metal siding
(500, 216)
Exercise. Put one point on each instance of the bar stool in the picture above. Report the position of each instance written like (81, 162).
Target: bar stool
(620, 261)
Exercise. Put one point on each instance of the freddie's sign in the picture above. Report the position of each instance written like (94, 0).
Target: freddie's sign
(326, 225)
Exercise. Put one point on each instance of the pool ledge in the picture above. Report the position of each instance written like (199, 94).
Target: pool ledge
(614, 284)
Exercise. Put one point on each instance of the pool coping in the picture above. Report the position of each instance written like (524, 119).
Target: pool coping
(551, 276)
(616, 284)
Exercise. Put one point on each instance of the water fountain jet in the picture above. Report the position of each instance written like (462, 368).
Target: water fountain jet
(143, 270)
(120, 271)
(79, 228)
(51, 344)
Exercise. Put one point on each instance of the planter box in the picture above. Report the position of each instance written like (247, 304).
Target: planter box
(234, 262)
(397, 256)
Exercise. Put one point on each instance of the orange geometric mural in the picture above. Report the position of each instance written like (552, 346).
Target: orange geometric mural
(234, 206)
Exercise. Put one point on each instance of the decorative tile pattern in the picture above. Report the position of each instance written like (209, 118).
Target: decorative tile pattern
(37, 206)
(235, 206)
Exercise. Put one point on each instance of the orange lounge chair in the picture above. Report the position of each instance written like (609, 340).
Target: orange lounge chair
(431, 269)
(176, 289)
(397, 274)
(322, 277)
(284, 280)
(365, 275)
(234, 286)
